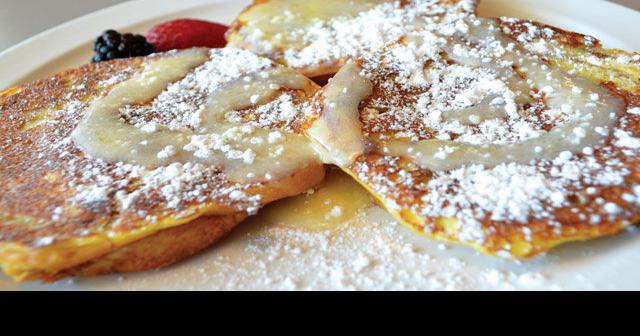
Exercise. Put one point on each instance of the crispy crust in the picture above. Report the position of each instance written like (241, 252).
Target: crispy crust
(623, 80)
(159, 250)
(576, 51)
(543, 237)
(101, 239)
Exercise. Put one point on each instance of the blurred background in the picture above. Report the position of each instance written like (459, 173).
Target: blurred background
(20, 19)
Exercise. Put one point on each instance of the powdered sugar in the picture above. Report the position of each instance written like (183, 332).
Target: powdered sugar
(506, 138)
(369, 252)
(626, 140)
(139, 194)
(348, 37)
(126, 188)
(282, 113)
(181, 104)
(221, 150)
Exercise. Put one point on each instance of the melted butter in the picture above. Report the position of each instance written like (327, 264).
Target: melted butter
(245, 153)
(338, 129)
(336, 201)
(278, 21)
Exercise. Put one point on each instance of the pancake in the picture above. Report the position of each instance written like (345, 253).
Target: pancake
(507, 136)
(316, 37)
(135, 164)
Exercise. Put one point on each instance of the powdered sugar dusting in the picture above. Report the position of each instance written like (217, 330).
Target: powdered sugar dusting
(115, 195)
(370, 252)
(453, 96)
(181, 104)
(340, 37)
(217, 143)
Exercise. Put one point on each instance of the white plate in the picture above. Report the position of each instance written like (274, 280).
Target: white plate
(369, 251)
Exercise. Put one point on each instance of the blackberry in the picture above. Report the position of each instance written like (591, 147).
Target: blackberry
(112, 45)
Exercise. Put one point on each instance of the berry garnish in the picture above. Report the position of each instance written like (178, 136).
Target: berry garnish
(187, 33)
(112, 45)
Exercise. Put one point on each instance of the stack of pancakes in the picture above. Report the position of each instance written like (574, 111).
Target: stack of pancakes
(508, 136)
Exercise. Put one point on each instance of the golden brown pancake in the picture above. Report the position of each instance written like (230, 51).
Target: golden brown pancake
(136, 164)
(317, 37)
(507, 136)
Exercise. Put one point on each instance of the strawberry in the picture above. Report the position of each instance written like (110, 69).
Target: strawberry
(187, 33)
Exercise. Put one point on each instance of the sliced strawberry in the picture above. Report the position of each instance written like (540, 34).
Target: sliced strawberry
(187, 33)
